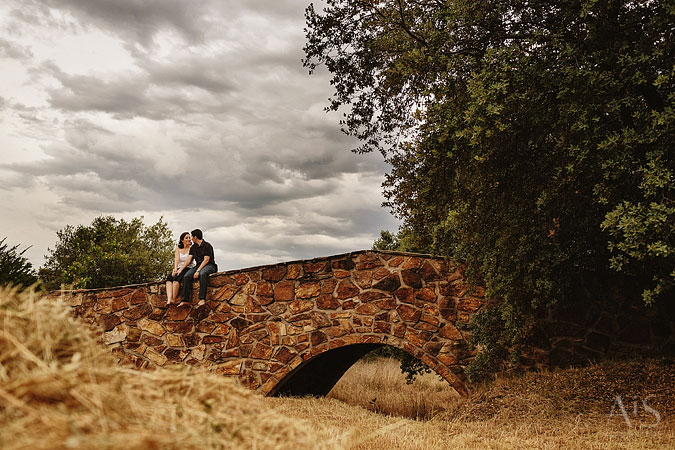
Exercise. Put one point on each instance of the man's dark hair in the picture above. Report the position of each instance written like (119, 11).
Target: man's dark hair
(198, 233)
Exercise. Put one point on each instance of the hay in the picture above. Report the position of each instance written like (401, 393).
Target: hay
(59, 388)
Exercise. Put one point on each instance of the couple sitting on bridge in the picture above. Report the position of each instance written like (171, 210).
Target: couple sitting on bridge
(193, 259)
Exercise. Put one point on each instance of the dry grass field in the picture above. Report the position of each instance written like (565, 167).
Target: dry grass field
(379, 386)
(568, 409)
(59, 389)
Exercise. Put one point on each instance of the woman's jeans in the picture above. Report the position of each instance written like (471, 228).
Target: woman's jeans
(203, 281)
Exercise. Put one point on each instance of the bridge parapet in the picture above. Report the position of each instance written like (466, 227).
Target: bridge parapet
(271, 326)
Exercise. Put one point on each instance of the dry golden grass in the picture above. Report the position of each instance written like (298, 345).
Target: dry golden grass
(60, 389)
(566, 409)
(358, 428)
(379, 386)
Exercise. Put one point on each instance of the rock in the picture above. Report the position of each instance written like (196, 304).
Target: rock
(115, 336)
(284, 291)
(151, 326)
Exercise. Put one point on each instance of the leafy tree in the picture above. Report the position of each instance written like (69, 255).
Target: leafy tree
(403, 241)
(109, 252)
(530, 139)
(15, 269)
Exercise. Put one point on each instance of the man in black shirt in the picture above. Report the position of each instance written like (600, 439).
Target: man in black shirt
(202, 252)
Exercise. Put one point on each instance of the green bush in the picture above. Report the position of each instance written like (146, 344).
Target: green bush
(109, 252)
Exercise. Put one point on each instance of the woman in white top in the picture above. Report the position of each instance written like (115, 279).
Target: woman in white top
(179, 268)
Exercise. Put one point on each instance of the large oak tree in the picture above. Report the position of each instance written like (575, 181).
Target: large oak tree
(532, 139)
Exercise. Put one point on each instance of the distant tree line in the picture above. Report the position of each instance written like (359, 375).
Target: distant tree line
(109, 252)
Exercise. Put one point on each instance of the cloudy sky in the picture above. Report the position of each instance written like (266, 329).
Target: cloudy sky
(198, 111)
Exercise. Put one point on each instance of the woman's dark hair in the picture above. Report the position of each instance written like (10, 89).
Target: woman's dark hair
(180, 240)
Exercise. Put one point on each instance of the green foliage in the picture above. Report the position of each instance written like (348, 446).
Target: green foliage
(15, 269)
(403, 241)
(386, 241)
(643, 231)
(109, 252)
(498, 343)
(532, 140)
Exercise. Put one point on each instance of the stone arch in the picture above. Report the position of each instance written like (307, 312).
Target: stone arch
(268, 325)
(316, 374)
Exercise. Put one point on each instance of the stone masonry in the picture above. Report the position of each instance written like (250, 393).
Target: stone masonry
(298, 323)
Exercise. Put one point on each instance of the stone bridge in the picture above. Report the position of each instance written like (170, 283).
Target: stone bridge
(295, 328)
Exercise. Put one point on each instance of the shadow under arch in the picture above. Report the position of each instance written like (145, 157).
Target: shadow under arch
(318, 375)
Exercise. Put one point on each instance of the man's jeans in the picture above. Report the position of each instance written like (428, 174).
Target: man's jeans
(203, 282)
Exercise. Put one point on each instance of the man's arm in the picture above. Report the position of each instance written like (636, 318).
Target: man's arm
(207, 258)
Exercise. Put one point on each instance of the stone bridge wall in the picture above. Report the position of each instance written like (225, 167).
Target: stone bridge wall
(265, 324)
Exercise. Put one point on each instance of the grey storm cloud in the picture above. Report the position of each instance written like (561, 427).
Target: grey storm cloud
(131, 95)
(96, 160)
(209, 74)
(122, 97)
(138, 20)
(226, 84)
(11, 50)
